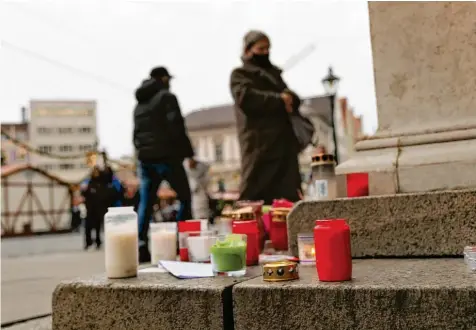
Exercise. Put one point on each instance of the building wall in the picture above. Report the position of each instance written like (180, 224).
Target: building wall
(219, 147)
(65, 128)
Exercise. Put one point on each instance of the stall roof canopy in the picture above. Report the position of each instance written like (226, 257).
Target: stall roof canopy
(8, 170)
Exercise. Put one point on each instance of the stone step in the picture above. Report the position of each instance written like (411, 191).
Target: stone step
(384, 294)
(419, 224)
(149, 301)
(436, 294)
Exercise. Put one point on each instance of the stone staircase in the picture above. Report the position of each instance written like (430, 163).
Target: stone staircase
(399, 291)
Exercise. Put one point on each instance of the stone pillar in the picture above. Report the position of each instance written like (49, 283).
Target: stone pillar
(424, 57)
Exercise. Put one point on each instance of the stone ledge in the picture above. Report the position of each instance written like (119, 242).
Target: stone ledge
(150, 301)
(421, 224)
(384, 294)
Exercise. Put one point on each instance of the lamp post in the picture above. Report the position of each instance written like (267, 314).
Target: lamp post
(331, 82)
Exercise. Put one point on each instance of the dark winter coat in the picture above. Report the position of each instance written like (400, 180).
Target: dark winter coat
(98, 196)
(159, 128)
(269, 148)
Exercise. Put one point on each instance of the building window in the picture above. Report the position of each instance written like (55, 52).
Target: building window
(66, 166)
(218, 152)
(85, 147)
(44, 130)
(45, 148)
(65, 148)
(85, 130)
(65, 130)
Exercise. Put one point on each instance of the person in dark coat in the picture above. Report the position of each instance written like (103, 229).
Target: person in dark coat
(263, 105)
(110, 179)
(97, 197)
(162, 143)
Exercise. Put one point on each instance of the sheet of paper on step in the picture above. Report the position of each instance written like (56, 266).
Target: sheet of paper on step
(185, 270)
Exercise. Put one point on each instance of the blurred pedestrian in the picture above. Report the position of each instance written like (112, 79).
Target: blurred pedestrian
(97, 197)
(162, 143)
(114, 185)
(263, 106)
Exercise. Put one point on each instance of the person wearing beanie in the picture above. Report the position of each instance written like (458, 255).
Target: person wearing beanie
(263, 106)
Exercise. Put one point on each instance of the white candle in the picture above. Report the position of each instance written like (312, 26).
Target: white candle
(163, 246)
(199, 247)
(121, 254)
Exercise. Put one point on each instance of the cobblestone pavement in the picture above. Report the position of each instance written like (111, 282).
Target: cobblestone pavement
(33, 266)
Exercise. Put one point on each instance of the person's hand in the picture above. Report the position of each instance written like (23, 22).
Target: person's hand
(192, 163)
(288, 101)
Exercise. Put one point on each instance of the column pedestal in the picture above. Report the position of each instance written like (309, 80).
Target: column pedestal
(424, 57)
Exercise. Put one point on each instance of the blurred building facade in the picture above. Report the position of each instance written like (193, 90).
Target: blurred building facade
(215, 140)
(65, 128)
(12, 154)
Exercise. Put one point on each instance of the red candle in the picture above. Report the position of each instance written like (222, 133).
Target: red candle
(333, 250)
(251, 230)
(279, 235)
(191, 225)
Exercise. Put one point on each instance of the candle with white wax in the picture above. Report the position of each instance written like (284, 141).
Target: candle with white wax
(121, 241)
(199, 245)
(163, 246)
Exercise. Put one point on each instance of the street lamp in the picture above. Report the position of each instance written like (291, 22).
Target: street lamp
(330, 83)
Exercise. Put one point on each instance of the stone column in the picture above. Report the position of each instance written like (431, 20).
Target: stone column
(424, 57)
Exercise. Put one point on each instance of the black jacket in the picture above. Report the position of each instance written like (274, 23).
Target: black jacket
(159, 128)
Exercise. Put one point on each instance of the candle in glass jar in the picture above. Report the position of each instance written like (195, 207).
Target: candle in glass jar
(121, 242)
(306, 247)
(163, 246)
(199, 246)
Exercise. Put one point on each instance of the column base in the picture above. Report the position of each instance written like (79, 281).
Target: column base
(416, 163)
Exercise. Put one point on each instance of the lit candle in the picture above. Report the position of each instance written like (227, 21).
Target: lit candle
(307, 252)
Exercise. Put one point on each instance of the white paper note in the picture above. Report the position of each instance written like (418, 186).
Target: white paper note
(187, 269)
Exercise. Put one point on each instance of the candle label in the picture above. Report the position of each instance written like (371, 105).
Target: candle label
(321, 189)
(119, 218)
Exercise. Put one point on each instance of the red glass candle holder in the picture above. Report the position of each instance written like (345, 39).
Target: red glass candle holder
(190, 225)
(257, 207)
(250, 229)
(333, 250)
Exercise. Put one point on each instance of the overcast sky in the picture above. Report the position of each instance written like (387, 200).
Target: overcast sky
(102, 49)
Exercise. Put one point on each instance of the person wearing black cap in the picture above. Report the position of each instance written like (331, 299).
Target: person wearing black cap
(263, 106)
(162, 143)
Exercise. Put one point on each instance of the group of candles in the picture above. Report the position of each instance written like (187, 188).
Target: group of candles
(234, 243)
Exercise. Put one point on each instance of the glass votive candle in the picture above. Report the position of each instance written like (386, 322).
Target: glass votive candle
(163, 241)
(306, 247)
(470, 258)
(121, 242)
(228, 255)
(199, 244)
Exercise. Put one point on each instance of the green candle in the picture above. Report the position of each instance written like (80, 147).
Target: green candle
(229, 254)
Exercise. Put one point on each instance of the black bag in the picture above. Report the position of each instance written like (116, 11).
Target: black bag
(303, 129)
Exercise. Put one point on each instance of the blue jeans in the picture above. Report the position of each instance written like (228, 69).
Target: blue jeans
(151, 176)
